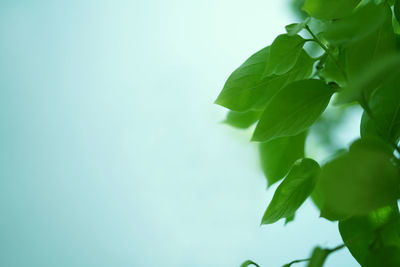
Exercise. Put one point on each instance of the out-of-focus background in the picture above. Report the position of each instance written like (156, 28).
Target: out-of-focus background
(112, 152)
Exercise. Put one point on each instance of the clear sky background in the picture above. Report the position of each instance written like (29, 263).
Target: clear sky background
(112, 153)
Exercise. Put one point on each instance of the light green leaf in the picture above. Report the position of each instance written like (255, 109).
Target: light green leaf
(362, 180)
(356, 26)
(248, 263)
(360, 233)
(277, 156)
(242, 120)
(295, 28)
(329, 9)
(293, 110)
(285, 51)
(248, 89)
(318, 257)
(384, 105)
(293, 191)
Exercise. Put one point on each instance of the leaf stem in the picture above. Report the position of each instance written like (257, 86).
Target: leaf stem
(336, 248)
(329, 251)
(326, 49)
(296, 261)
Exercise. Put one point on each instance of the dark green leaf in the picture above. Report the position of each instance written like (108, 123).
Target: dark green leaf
(293, 110)
(386, 256)
(248, 263)
(356, 26)
(277, 156)
(359, 181)
(293, 191)
(285, 51)
(318, 257)
(329, 9)
(242, 120)
(380, 227)
(247, 88)
(384, 105)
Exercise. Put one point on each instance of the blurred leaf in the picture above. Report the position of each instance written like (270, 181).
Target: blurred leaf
(248, 263)
(318, 257)
(293, 110)
(277, 156)
(385, 107)
(296, 6)
(359, 181)
(293, 191)
(285, 50)
(356, 26)
(242, 120)
(361, 87)
(368, 50)
(380, 227)
(329, 9)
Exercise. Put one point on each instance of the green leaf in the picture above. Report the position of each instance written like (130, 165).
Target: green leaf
(293, 191)
(380, 227)
(356, 26)
(244, 86)
(248, 263)
(329, 9)
(248, 89)
(295, 28)
(285, 51)
(242, 120)
(274, 83)
(362, 180)
(290, 219)
(293, 110)
(318, 257)
(277, 156)
(384, 105)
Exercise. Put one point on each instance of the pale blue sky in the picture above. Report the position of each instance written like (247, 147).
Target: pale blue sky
(112, 152)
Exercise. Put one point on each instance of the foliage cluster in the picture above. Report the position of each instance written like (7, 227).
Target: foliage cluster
(344, 53)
